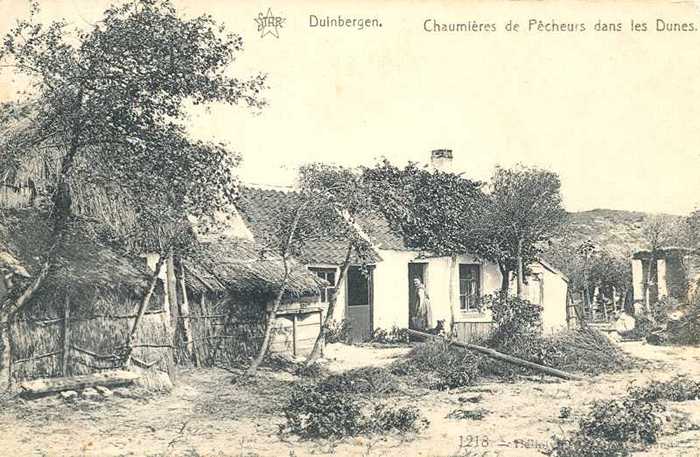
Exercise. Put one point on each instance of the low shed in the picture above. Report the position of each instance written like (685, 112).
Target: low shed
(231, 286)
(78, 319)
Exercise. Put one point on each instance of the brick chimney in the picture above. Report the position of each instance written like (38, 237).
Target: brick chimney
(441, 160)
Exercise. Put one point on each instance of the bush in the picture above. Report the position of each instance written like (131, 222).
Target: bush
(437, 365)
(611, 426)
(317, 413)
(630, 420)
(514, 317)
(402, 419)
(315, 370)
(338, 332)
(643, 327)
(686, 331)
(586, 446)
(680, 388)
(361, 381)
(394, 336)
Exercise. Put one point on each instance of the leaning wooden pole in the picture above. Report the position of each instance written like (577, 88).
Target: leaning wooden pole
(503, 357)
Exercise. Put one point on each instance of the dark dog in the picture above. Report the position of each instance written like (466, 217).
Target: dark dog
(439, 328)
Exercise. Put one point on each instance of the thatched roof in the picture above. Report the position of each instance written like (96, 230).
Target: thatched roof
(237, 266)
(80, 261)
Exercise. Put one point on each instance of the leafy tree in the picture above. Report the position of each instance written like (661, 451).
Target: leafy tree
(524, 210)
(439, 212)
(102, 121)
(435, 211)
(692, 229)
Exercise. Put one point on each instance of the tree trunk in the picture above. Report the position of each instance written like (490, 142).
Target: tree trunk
(271, 316)
(184, 311)
(519, 258)
(5, 358)
(172, 293)
(142, 310)
(321, 338)
(453, 271)
(505, 279)
(65, 359)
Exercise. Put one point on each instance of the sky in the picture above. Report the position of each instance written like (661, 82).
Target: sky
(615, 114)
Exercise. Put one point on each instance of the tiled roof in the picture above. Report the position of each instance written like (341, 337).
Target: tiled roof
(259, 209)
(381, 235)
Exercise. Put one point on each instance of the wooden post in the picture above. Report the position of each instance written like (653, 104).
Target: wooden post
(6, 358)
(568, 309)
(172, 294)
(320, 320)
(294, 335)
(65, 357)
(185, 317)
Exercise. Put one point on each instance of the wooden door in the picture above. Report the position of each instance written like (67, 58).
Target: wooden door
(359, 303)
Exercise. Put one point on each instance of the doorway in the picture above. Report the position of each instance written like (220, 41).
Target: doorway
(359, 303)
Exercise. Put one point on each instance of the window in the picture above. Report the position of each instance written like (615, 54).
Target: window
(469, 280)
(329, 275)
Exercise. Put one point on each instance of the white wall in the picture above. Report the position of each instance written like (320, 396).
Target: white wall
(553, 299)
(638, 279)
(391, 288)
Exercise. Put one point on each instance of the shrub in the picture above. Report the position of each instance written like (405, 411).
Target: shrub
(395, 335)
(338, 332)
(643, 327)
(437, 365)
(630, 420)
(687, 329)
(317, 413)
(680, 388)
(314, 370)
(361, 381)
(611, 427)
(403, 419)
(514, 316)
(586, 446)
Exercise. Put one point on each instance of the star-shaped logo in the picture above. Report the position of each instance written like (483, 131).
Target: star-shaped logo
(269, 23)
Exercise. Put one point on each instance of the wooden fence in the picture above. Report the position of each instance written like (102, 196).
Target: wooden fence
(73, 343)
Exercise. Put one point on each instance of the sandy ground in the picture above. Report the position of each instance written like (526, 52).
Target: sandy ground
(207, 415)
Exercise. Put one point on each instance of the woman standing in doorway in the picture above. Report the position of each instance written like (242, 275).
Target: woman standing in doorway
(422, 319)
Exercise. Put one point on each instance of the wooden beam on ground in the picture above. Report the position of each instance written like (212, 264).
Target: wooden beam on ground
(503, 357)
(53, 385)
